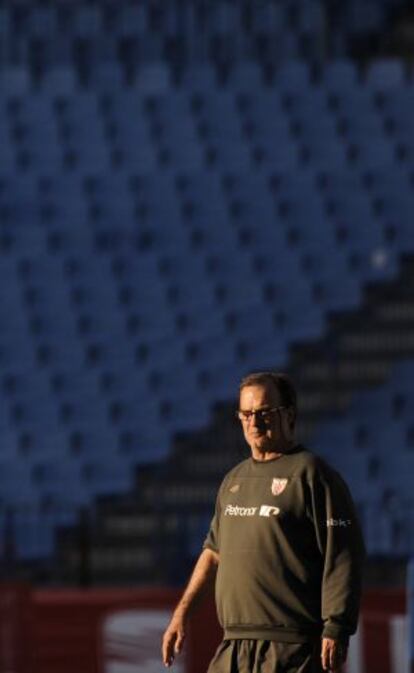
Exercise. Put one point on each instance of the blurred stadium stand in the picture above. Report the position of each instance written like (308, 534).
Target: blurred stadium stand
(188, 191)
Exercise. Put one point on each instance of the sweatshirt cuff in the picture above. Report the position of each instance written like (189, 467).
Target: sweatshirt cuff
(336, 633)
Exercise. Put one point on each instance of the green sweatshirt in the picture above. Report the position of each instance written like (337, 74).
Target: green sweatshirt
(291, 551)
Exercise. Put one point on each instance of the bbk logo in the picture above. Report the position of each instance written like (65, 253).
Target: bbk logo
(268, 510)
(342, 523)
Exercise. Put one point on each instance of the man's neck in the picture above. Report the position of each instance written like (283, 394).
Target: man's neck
(276, 452)
(267, 455)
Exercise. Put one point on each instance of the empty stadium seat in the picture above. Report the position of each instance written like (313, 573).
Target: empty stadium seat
(293, 76)
(385, 74)
(14, 81)
(339, 76)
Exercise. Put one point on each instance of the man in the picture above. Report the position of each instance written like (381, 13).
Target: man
(284, 547)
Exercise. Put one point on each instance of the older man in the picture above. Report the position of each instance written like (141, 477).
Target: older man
(284, 548)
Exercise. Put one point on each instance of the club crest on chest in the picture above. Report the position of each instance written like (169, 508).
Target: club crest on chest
(278, 486)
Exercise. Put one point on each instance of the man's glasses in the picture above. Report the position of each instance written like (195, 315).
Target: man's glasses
(263, 415)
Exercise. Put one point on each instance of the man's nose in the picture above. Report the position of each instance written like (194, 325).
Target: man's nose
(256, 421)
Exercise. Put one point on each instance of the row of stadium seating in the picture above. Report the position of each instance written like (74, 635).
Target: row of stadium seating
(156, 79)
(222, 31)
(274, 129)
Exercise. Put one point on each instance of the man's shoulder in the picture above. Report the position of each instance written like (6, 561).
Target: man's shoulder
(303, 458)
(316, 466)
(238, 469)
(312, 463)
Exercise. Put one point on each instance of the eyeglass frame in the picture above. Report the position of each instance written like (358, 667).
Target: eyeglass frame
(265, 417)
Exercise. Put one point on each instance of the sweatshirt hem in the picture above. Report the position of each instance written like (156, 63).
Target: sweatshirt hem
(279, 634)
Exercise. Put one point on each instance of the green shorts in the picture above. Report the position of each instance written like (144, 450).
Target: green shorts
(266, 656)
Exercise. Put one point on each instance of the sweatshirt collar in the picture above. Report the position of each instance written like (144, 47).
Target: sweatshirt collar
(296, 448)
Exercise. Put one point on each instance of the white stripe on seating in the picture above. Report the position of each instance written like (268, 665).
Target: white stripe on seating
(399, 644)
(355, 662)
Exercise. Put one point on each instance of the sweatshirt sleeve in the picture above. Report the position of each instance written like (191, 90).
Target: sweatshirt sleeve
(341, 544)
(212, 539)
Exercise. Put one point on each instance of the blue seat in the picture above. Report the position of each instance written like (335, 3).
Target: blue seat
(199, 78)
(107, 77)
(357, 115)
(397, 116)
(284, 46)
(184, 412)
(87, 22)
(272, 353)
(401, 375)
(14, 81)
(311, 18)
(292, 76)
(264, 108)
(59, 81)
(239, 320)
(107, 477)
(267, 132)
(175, 131)
(399, 469)
(209, 349)
(370, 405)
(228, 154)
(307, 105)
(5, 29)
(340, 75)
(217, 111)
(42, 22)
(35, 530)
(196, 320)
(365, 18)
(275, 153)
(378, 527)
(54, 477)
(373, 152)
(267, 17)
(219, 381)
(8, 153)
(320, 146)
(33, 539)
(163, 352)
(385, 74)
(153, 79)
(16, 487)
(245, 77)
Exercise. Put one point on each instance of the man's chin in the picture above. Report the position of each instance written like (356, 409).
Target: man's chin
(261, 444)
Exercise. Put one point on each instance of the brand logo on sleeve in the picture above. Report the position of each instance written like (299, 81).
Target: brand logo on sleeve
(235, 488)
(278, 486)
(268, 510)
(342, 523)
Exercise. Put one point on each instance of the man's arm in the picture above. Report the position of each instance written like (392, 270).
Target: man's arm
(340, 540)
(201, 580)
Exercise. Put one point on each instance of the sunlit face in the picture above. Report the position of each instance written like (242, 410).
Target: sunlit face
(271, 434)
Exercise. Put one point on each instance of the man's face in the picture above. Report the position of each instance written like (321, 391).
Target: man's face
(269, 433)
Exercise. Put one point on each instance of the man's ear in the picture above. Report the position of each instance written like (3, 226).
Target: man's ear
(292, 417)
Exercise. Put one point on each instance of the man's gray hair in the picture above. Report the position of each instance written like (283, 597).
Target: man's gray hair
(282, 382)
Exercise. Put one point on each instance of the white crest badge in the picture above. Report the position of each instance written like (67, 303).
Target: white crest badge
(278, 486)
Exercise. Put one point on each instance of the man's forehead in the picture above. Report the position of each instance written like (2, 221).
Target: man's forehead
(262, 394)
